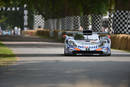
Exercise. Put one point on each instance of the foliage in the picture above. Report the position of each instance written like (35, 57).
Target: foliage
(3, 19)
(122, 4)
(94, 6)
(61, 8)
(2, 3)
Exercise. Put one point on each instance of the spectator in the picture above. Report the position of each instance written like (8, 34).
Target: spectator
(19, 31)
(80, 28)
(12, 32)
(16, 30)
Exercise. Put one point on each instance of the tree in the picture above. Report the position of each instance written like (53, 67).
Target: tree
(122, 4)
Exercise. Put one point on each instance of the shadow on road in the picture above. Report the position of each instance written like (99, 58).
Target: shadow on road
(66, 74)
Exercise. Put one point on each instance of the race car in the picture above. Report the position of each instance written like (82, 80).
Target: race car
(87, 43)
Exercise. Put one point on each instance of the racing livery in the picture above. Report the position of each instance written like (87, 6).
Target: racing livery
(87, 42)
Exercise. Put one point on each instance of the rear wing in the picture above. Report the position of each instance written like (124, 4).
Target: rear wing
(102, 33)
(71, 33)
(86, 32)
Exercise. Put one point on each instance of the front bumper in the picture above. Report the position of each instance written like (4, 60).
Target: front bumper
(87, 52)
(91, 51)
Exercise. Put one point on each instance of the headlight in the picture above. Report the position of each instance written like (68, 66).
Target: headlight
(72, 43)
(102, 43)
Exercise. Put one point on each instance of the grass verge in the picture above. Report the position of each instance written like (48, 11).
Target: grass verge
(6, 56)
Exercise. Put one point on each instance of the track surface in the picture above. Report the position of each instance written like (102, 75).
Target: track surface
(42, 64)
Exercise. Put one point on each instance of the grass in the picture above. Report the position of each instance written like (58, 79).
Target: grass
(6, 56)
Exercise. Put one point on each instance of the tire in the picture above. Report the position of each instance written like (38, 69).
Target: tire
(109, 54)
(74, 54)
(66, 54)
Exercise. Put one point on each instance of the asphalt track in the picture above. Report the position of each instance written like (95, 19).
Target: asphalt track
(42, 64)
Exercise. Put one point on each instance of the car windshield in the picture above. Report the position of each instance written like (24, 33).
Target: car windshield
(79, 37)
(91, 38)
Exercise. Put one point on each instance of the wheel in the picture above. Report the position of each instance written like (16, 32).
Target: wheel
(74, 54)
(66, 54)
(108, 54)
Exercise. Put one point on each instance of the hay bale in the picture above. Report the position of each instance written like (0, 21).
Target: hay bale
(123, 42)
(116, 42)
(113, 38)
(43, 32)
(29, 32)
(56, 34)
(47, 33)
(128, 43)
(120, 41)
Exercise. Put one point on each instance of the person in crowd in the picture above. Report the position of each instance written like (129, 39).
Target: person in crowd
(16, 30)
(19, 31)
(80, 28)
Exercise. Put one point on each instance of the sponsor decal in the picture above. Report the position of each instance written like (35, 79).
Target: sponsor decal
(80, 47)
(93, 46)
(87, 46)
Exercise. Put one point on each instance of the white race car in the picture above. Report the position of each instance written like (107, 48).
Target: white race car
(87, 43)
